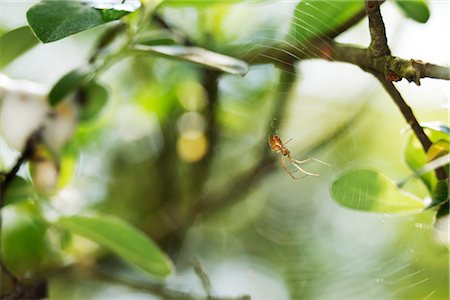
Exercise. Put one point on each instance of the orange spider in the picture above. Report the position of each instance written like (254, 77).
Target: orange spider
(277, 146)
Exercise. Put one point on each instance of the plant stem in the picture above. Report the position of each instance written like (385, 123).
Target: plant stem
(408, 114)
(378, 45)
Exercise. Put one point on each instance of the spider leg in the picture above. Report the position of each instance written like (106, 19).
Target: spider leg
(300, 161)
(283, 163)
(296, 164)
(322, 162)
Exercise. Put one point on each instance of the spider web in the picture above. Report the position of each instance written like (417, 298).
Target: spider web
(322, 250)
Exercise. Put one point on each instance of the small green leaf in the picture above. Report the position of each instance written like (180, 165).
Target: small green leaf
(67, 84)
(54, 20)
(19, 190)
(121, 238)
(159, 37)
(112, 14)
(369, 190)
(443, 211)
(415, 9)
(415, 156)
(440, 193)
(197, 55)
(25, 246)
(14, 43)
(314, 18)
(96, 98)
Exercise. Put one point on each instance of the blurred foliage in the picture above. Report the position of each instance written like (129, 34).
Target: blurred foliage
(171, 160)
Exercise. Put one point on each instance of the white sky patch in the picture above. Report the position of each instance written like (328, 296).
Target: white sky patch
(128, 5)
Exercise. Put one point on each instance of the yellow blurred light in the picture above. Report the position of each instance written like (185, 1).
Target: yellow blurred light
(192, 146)
(192, 95)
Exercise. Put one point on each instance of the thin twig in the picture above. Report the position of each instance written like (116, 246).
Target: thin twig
(203, 276)
(408, 114)
(158, 289)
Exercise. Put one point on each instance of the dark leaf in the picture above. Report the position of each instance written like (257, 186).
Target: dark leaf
(54, 20)
(416, 10)
(67, 84)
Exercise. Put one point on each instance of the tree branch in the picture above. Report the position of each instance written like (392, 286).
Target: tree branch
(397, 68)
(409, 117)
(378, 45)
(157, 288)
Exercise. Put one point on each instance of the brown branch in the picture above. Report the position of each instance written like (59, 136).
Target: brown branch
(9, 177)
(4, 184)
(155, 288)
(378, 45)
(411, 69)
(394, 68)
(409, 117)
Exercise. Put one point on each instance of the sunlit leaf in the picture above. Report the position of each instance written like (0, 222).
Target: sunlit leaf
(197, 55)
(14, 43)
(415, 156)
(67, 167)
(121, 238)
(438, 149)
(314, 18)
(415, 9)
(368, 190)
(54, 20)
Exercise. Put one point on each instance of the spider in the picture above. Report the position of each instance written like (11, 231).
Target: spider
(277, 146)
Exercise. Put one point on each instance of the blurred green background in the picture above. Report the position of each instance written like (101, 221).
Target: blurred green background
(281, 238)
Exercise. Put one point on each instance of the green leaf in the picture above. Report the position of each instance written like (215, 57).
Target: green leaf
(159, 37)
(25, 246)
(67, 84)
(438, 149)
(443, 211)
(369, 190)
(14, 43)
(314, 18)
(96, 97)
(18, 190)
(440, 193)
(415, 9)
(196, 55)
(54, 20)
(121, 238)
(415, 156)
